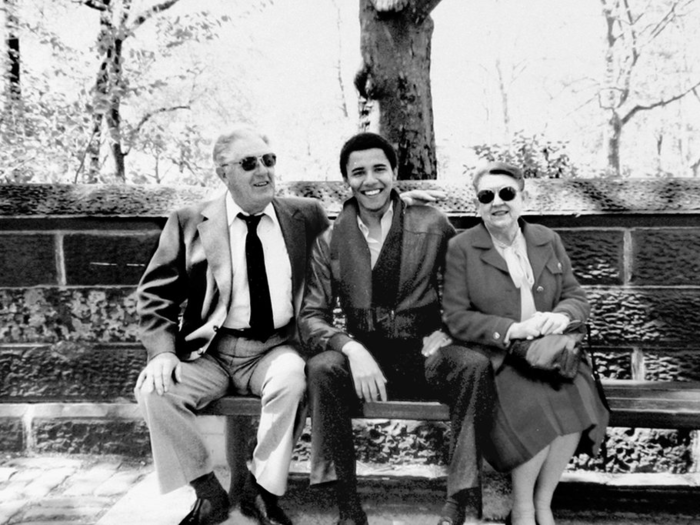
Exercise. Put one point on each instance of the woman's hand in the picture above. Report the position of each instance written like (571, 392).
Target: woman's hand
(552, 323)
(434, 342)
(528, 329)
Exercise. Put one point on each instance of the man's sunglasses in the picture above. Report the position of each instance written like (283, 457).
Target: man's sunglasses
(250, 163)
(507, 193)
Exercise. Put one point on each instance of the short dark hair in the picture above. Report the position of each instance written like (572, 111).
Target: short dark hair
(499, 168)
(364, 141)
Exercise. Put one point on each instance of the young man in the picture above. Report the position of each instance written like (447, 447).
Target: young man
(383, 261)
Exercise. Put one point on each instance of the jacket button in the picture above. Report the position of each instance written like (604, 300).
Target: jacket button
(496, 336)
(540, 289)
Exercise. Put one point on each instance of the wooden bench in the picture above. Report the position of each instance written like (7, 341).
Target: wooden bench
(645, 404)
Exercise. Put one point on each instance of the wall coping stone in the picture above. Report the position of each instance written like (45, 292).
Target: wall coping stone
(547, 197)
(107, 411)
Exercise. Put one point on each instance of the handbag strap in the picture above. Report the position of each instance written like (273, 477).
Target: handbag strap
(600, 389)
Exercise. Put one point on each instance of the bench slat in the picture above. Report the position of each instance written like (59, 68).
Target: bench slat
(647, 404)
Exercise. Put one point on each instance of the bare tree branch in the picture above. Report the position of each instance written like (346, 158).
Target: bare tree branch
(146, 118)
(149, 13)
(646, 107)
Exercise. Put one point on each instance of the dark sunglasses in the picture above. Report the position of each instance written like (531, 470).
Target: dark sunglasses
(507, 193)
(250, 163)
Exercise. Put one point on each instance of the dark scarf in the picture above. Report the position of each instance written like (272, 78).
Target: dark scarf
(361, 290)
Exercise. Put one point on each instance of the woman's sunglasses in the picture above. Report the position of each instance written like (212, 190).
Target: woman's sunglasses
(507, 193)
(250, 163)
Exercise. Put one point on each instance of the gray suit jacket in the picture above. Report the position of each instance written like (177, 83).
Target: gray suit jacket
(185, 292)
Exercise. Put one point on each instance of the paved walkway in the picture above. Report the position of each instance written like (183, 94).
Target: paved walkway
(64, 489)
(90, 490)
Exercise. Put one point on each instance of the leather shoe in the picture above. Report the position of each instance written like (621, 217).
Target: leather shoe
(266, 512)
(207, 512)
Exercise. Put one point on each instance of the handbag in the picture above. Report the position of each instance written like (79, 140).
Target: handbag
(555, 356)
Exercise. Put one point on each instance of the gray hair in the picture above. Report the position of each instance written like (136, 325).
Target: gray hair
(236, 133)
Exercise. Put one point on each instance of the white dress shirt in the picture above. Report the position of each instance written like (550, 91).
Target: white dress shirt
(277, 266)
(375, 245)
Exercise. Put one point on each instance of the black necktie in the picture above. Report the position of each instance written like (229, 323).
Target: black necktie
(261, 321)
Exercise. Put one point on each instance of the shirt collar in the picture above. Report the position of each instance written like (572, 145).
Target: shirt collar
(385, 221)
(233, 209)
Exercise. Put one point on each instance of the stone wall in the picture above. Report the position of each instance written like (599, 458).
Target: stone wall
(71, 256)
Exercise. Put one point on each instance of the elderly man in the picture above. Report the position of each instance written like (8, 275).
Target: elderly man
(236, 264)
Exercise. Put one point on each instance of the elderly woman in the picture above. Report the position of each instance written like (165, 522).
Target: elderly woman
(505, 280)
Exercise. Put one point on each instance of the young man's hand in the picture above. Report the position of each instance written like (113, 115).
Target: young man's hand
(368, 377)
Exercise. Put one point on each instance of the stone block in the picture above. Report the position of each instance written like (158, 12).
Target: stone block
(672, 366)
(102, 259)
(614, 363)
(70, 370)
(75, 314)
(666, 256)
(596, 255)
(645, 316)
(12, 438)
(27, 260)
(92, 436)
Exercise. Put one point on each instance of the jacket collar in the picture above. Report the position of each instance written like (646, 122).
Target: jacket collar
(535, 238)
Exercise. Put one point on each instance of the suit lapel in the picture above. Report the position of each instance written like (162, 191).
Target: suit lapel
(294, 233)
(213, 231)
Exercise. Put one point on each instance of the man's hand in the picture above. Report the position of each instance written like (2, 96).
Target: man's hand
(368, 377)
(159, 373)
(434, 342)
(422, 197)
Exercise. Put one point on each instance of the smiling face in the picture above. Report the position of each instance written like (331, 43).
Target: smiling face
(371, 178)
(499, 216)
(251, 190)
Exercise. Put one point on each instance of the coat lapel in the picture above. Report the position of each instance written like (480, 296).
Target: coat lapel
(537, 251)
(213, 231)
(489, 255)
(294, 233)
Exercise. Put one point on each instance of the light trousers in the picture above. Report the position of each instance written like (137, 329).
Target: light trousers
(272, 370)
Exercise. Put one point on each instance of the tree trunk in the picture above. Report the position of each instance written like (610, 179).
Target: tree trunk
(13, 89)
(113, 116)
(614, 136)
(395, 78)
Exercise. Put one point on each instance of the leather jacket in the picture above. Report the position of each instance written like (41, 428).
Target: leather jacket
(426, 232)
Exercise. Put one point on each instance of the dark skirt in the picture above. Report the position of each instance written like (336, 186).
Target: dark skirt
(532, 411)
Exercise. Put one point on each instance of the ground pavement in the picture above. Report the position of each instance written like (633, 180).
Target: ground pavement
(92, 490)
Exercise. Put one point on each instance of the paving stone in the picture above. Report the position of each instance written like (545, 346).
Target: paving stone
(86, 482)
(10, 509)
(6, 473)
(87, 502)
(48, 481)
(15, 492)
(55, 513)
(120, 483)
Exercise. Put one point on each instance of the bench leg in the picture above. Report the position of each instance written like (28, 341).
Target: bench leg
(239, 430)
